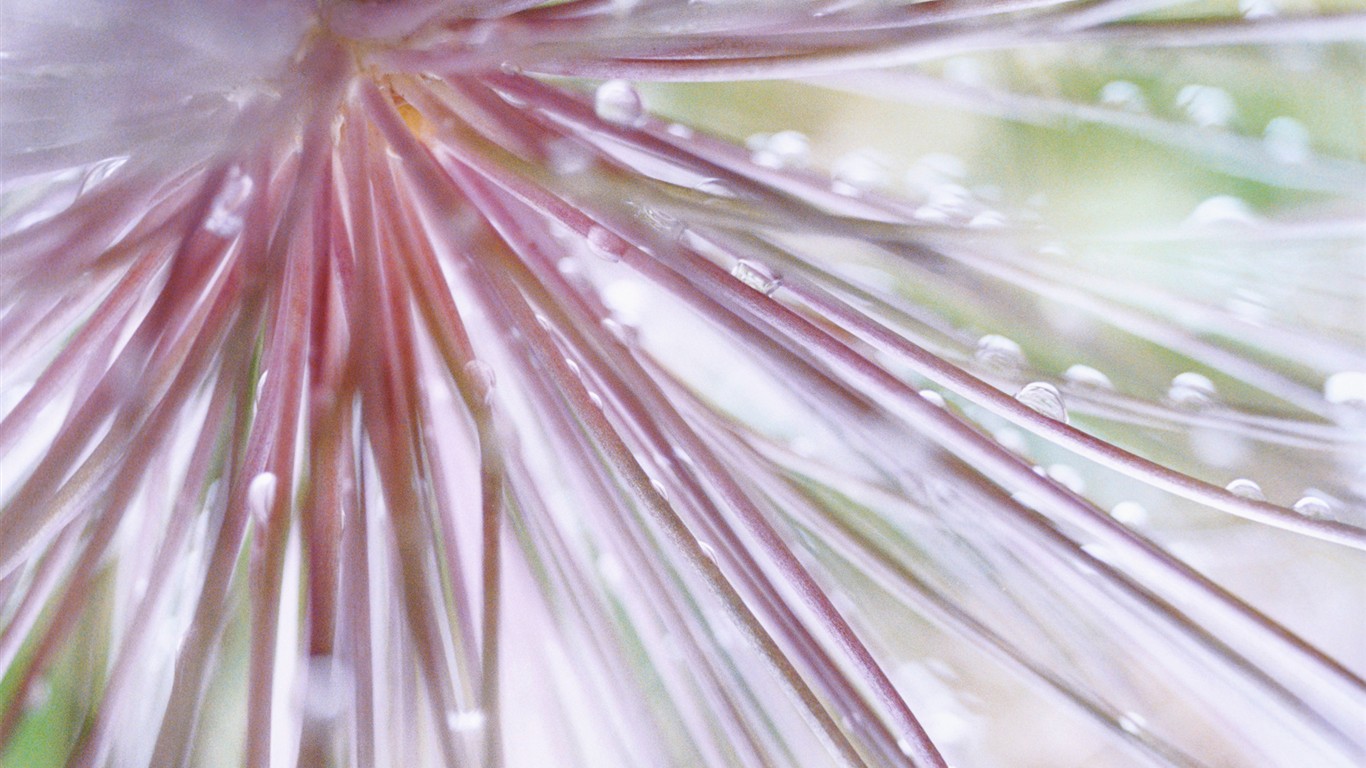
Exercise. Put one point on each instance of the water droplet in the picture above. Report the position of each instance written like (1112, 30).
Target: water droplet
(618, 102)
(1258, 9)
(858, 172)
(261, 496)
(660, 489)
(934, 397)
(1068, 477)
(1125, 95)
(1206, 105)
(1132, 722)
(756, 276)
(1287, 140)
(713, 187)
(1221, 210)
(225, 215)
(1129, 513)
(680, 130)
(482, 378)
(1313, 506)
(1044, 398)
(944, 202)
(999, 353)
(595, 399)
(466, 721)
(708, 551)
(1086, 377)
(988, 219)
(1346, 388)
(784, 149)
(1246, 488)
(1192, 390)
(904, 744)
(604, 244)
(1011, 439)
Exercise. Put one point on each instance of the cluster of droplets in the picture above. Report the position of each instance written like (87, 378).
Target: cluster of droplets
(225, 214)
(784, 149)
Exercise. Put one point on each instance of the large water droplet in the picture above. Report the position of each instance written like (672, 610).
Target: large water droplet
(1287, 140)
(1221, 210)
(261, 496)
(1346, 388)
(1086, 377)
(1125, 95)
(756, 276)
(1313, 506)
(225, 215)
(482, 378)
(999, 353)
(1192, 390)
(1206, 105)
(1044, 398)
(1248, 489)
(618, 102)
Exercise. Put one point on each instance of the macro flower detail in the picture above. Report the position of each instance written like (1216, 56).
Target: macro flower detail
(655, 383)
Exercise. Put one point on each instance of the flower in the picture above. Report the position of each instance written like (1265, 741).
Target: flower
(391, 383)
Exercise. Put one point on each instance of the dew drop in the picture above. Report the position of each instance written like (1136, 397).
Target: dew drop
(1221, 210)
(604, 244)
(1044, 398)
(1192, 390)
(618, 102)
(1084, 376)
(999, 353)
(858, 172)
(713, 187)
(261, 496)
(660, 489)
(595, 399)
(1207, 106)
(1346, 388)
(1068, 477)
(904, 744)
(482, 378)
(680, 130)
(988, 219)
(1132, 722)
(1129, 513)
(708, 551)
(1122, 94)
(756, 276)
(1258, 9)
(1287, 140)
(1313, 506)
(225, 215)
(933, 397)
(466, 721)
(1248, 489)
(784, 149)
(944, 202)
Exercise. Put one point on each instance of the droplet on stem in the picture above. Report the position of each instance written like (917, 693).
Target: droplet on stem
(1043, 398)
